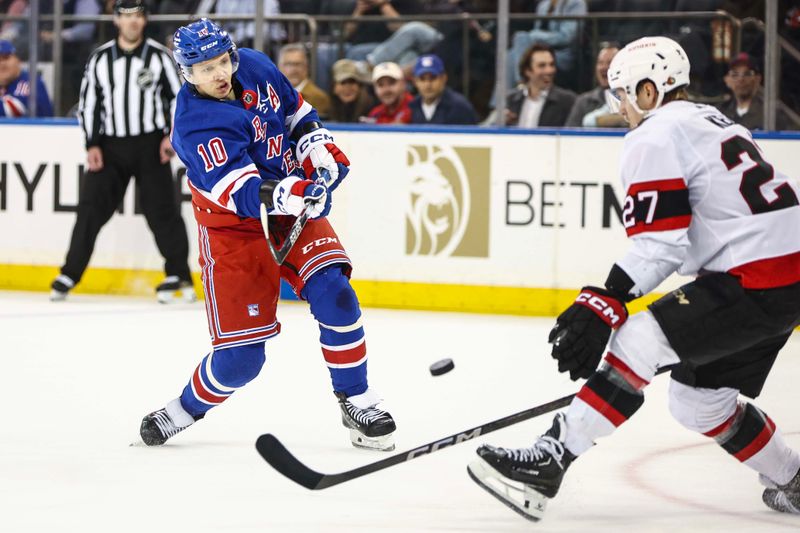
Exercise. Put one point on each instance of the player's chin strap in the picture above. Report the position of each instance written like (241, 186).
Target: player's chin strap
(267, 202)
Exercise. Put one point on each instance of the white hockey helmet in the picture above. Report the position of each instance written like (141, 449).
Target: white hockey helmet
(658, 59)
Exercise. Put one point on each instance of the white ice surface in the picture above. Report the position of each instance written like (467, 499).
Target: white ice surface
(78, 376)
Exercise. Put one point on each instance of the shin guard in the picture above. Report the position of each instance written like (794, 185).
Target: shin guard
(335, 306)
(608, 398)
(219, 375)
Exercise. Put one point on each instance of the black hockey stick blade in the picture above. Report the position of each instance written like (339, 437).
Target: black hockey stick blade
(276, 454)
(282, 460)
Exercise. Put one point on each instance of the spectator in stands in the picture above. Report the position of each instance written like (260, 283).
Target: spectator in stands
(293, 62)
(77, 40)
(389, 85)
(591, 108)
(401, 42)
(350, 98)
(539, 102)
(243, 31)
(747, 104)
(10, 30)
(15, 91)
(561, 35)
(437, 103)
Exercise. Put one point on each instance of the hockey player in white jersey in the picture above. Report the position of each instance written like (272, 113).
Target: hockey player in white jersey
(700, 200)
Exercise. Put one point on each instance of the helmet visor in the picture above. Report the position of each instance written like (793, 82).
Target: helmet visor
(217, 68)
(614, 99)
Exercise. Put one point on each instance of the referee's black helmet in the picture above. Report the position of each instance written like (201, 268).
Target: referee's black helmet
(130, 6)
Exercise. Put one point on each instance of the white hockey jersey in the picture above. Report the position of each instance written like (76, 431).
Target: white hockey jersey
(700, 197)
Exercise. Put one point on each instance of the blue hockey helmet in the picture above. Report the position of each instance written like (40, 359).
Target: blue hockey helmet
(200, 41)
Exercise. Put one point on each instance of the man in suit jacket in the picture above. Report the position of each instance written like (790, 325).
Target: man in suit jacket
(437, 103)
(293, 63)
(538, 103)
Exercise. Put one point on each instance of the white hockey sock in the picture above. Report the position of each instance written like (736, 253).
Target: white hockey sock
(776, 460)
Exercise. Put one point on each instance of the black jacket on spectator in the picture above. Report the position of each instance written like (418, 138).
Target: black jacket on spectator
(754, 118)
(453, 108)
(556, 108)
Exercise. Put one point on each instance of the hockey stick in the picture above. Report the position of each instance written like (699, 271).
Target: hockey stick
(280, 254)
(282, 460)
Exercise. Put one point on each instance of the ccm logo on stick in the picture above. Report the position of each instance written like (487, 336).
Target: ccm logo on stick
(600, 305)
(449, 441)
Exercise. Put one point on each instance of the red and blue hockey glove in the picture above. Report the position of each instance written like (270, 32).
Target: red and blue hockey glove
(581, 332)
(291, 196)
(315, 150)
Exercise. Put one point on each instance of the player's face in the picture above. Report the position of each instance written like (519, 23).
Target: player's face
(542, 70)
(626, 109)
(10, 68)
(430, 86)
(389, 90)
(130, 26)
(346, 90)
(294, 66)
(213, 77)
(603, 62)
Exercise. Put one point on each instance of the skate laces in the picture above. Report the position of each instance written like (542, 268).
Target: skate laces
(546, 445)
(165, 424)
(365, 416)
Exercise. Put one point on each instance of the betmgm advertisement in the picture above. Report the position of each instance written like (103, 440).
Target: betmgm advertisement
(510, 222)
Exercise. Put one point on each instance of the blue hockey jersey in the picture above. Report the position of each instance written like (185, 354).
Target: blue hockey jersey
(229, 146)
(15, 98)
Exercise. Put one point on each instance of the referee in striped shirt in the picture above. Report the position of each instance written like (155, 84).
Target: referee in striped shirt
(126, 103)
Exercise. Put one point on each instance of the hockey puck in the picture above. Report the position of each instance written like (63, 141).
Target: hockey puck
(442, 367)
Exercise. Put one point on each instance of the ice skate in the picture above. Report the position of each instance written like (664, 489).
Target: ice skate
(60, 288)
(159, 426)
(525, 478)
(370, 428)
(173, 289)
(783, 498)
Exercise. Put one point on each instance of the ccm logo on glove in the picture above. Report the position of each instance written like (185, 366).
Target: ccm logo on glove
(318, 137)
(610, 310)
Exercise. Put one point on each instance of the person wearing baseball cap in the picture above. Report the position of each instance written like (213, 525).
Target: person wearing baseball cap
(389, 84)
(436, 102)
(350, 97)
(746, 105)
(15, 88)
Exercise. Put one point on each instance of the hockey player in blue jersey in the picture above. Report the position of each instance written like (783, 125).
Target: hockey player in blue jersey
(247, 138)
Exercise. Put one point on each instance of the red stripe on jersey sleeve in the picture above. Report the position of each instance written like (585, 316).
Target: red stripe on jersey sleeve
(673, 184)
(226, 194)
(665, 224)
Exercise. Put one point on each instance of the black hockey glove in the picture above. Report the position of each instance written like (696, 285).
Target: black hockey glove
(581, 332)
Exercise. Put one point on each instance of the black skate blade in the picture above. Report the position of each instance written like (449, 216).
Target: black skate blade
(498, 497)
(276, 454)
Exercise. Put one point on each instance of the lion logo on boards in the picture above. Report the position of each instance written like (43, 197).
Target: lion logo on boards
(447, 211)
